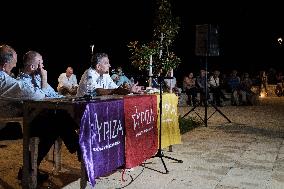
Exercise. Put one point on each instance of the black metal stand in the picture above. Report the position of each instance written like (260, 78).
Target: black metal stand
(160, 154)
(206, 102)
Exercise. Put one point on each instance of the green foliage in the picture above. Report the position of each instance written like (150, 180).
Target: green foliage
(187, 124)
(164, 34)
(165, 23)
(141, 53)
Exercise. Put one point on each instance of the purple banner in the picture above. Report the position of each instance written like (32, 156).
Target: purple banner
(102, 138)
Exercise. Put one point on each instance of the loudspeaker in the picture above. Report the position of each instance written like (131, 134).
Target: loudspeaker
(207, 40)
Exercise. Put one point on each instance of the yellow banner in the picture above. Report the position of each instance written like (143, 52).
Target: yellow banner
(170, 125)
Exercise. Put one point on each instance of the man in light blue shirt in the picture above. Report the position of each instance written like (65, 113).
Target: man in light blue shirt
(9, 107)
(119, 78)
(34, 75)
(13, 91)
(8, 60)
(10, 87)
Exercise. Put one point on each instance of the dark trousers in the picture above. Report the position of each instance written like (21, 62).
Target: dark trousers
(217, 95)
(191, 94)
(49, 125)
(203, 95)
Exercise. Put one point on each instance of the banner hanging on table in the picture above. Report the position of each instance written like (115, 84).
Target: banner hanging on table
(102, 138)
(141, 142)
(170, 125)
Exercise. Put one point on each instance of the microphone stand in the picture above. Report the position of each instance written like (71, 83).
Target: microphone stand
(160, 81)
(160, 154)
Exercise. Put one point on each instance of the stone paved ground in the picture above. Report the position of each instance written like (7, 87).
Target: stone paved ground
(247, 153)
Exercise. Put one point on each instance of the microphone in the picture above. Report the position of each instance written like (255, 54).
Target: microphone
(92, 48)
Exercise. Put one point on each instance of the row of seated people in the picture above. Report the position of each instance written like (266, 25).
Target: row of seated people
(239, 88)
(68, 84)
(32, 84)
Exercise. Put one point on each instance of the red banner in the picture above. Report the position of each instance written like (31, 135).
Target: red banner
(141, 142)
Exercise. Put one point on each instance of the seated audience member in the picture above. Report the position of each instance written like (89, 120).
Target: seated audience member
(189, 86)
(67, 83)
(171, 84)
(223, 80)
(246, 85)
(44, 125)
(279, 84)
(234, 82)
(214, 84)
(271, 76)
(201, 84)
(97, 81)
(119, 78)
(279, 78)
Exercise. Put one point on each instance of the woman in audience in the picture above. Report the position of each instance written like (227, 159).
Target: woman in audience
(189, 86)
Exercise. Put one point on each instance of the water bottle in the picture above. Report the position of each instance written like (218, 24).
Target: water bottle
(132, 82)
(89, 86)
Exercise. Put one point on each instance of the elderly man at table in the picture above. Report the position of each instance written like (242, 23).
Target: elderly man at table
(67, 83)
(8, 60)
(9, 107)
(97, 81)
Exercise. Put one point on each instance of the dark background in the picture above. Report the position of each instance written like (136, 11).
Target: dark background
(63, 33)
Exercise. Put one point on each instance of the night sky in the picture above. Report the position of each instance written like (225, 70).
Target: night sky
(63, 34)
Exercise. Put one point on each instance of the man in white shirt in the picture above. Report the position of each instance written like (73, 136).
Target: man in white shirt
(214, 84)
(97, 81)
(67, 83)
